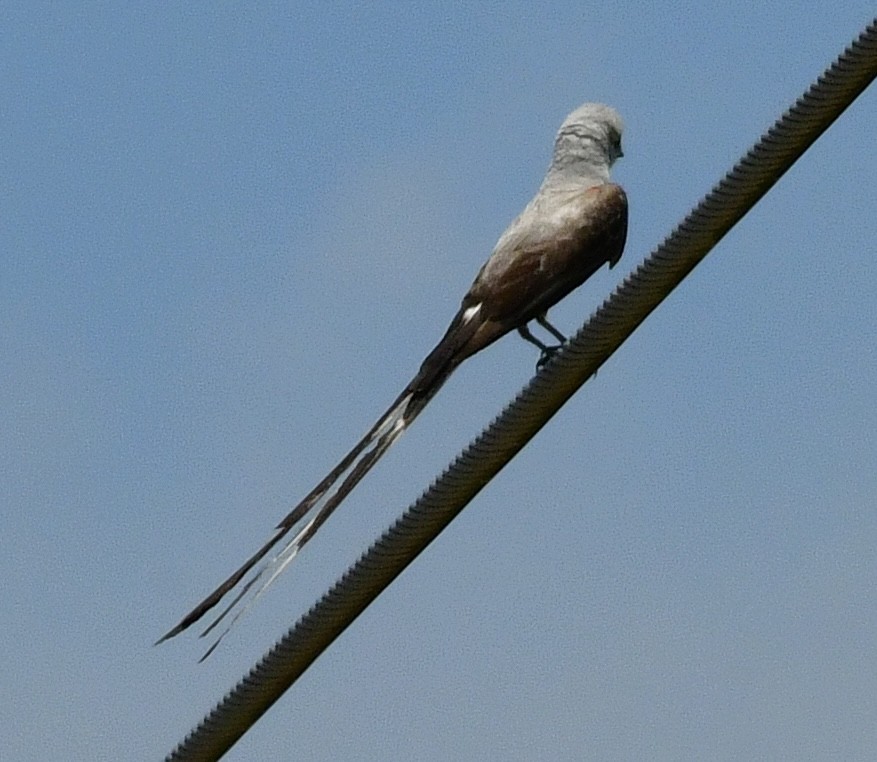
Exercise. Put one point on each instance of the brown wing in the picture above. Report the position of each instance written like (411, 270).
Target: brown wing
(540, 274)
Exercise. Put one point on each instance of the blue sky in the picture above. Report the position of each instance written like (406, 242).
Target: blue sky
(228, 238)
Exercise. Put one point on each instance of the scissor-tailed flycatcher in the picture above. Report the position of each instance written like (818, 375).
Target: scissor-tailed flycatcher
(575, 222)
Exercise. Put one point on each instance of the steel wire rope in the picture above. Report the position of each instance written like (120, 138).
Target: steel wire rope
(639, 294)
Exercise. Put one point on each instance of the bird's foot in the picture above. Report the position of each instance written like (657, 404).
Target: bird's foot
(547, 354)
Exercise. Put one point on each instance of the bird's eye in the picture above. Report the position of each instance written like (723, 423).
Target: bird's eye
(616, 145)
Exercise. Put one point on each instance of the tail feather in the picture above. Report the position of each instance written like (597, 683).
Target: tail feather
(397, 410)
(321, 501)
(394, 420)
(277, 564)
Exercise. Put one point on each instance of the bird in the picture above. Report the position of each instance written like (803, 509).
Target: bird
(576, 222)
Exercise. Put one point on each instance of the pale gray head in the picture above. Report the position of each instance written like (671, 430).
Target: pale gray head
(587, 145)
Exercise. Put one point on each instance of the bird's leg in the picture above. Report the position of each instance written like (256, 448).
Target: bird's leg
(543, 321)
(547, 351)
(527, 336)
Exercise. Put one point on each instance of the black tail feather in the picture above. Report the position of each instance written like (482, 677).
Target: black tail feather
(434, 371)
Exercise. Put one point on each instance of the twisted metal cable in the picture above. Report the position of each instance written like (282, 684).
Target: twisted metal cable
(640, 293)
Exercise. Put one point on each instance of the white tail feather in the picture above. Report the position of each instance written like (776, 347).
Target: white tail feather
(387, 431)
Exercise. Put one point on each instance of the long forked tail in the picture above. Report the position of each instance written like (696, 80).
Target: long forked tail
(459, 342)
(327, 495)
(319, 504)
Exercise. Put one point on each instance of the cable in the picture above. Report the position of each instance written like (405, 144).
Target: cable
(640, 293)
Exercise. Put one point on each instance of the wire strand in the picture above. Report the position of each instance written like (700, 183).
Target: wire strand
(640, 293)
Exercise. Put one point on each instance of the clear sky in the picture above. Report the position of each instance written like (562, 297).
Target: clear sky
(229, 236)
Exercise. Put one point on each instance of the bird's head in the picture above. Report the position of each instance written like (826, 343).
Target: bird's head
(587, 144)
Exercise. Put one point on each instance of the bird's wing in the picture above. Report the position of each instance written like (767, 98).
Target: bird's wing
(535, 274)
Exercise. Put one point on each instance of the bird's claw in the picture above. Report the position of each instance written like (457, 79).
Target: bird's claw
(547, 354)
